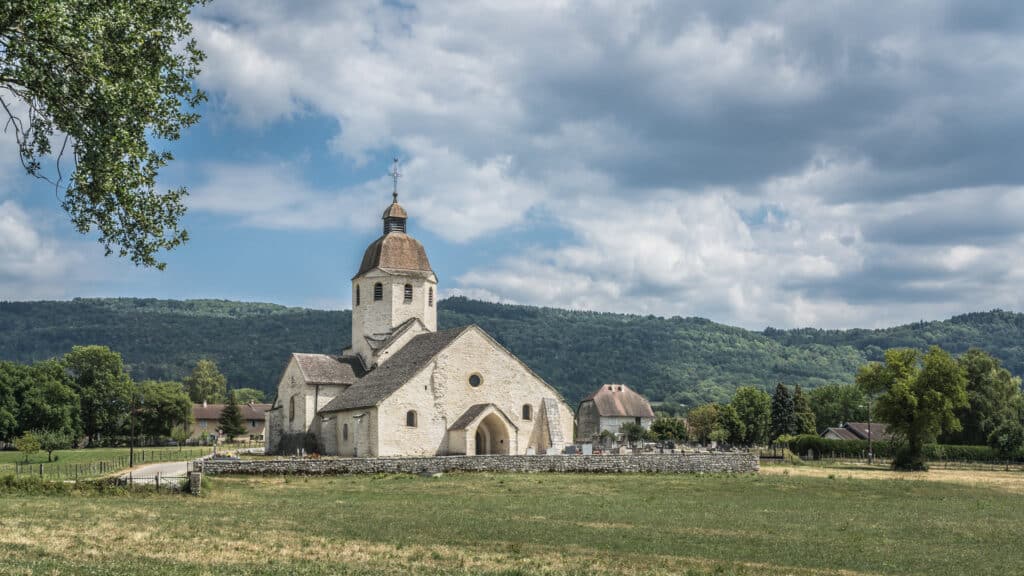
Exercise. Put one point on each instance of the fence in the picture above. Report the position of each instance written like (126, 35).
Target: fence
(167, 482)
(95, 468)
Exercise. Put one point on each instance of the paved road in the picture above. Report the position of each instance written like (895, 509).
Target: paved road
(147, 474)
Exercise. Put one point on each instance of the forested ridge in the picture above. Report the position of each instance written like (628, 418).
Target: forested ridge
(691, 360)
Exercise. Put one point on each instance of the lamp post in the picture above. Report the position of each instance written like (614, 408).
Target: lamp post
(131, 440)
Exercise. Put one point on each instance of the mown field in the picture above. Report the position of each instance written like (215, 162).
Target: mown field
(66, 463)
(774, 523)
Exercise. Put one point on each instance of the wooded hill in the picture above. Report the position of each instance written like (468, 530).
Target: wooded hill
(689, 360)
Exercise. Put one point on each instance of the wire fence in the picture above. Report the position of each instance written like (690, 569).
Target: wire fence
(768, 458)
(159, 482)
(98, 468)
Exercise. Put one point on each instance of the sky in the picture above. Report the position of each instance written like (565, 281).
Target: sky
(786, 164)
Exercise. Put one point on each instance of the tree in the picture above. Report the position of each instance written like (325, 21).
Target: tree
(919, 396)
(246, 395)
(783, 414)
(11, 376)
(180, 435)
(669, 428)
(702, 421)
(231, 419)
(103, 387)
(834, 404)
(206, 383)
(107, 81)
(1007, 438)
(729, 422)
(802, 412)
(50, 440)
(993, 398)
(163, 406)
(754, 408)
(48, 401)
(632, 432)
(27, 444)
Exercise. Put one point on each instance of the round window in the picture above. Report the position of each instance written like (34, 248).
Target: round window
(475, 380)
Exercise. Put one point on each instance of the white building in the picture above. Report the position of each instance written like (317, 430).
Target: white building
(403, 388)
(609, 408)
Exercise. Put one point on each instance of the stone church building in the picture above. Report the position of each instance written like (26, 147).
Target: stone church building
(404, 388)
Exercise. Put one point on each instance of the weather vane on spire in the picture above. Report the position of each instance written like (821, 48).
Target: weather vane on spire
(395, 175)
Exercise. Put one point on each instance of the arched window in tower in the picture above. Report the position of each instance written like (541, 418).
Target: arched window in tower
(378, 292)
(357, 294)
(430, 297)
(410, 418)
(408, 293)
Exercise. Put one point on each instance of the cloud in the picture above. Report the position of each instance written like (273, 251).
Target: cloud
(33, 265)
(757, 163)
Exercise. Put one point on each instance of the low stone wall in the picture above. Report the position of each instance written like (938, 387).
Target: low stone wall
(714, 462)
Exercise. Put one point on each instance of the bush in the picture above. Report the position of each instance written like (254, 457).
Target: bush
(825, 447)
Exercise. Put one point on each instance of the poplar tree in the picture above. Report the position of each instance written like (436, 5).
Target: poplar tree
(783, 416)
(802, 413)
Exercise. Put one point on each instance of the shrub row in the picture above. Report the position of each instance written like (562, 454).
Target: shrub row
(800, 445)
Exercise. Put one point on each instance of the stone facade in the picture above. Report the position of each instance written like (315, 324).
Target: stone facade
(405, 389)
(694, 463)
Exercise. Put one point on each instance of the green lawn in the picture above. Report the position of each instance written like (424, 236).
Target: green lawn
(86, 461)
(525, 524)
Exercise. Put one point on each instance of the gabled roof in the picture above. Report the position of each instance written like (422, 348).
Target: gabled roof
(328, 369)
(212, 411)
(395, 334)
(474, 412)
(840, 433)
(385, 379)
(618, 400)
(879, 431)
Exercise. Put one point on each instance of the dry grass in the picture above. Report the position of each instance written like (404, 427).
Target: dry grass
(1010, 480)
(524, 524)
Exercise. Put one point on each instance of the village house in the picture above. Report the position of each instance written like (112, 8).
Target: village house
(404, 388)
(858, 431)
(608, 408)
(206, 419)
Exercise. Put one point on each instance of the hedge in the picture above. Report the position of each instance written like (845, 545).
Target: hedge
(800, 445)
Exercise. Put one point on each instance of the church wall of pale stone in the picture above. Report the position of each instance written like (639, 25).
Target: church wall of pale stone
(441, 393)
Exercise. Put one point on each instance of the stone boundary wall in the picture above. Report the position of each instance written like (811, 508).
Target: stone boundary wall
(699, 463)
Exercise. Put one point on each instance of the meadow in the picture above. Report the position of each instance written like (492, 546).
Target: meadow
(87, 462)
(773, 523)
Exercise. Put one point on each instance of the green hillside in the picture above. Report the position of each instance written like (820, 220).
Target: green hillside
(685, 359)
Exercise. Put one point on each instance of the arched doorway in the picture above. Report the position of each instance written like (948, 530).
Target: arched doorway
(492, 436)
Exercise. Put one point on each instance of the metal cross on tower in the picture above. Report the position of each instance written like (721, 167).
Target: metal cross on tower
(395, 175)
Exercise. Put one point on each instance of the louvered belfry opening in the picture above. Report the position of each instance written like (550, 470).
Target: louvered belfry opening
(408, 293)
(393, 224)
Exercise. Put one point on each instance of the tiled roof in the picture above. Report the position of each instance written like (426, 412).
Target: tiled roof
(327, 369)
(841, 433)
(619, 400)
(383, 380)
(212, 411)
(474, 412)
(879, 431)
(395, 251)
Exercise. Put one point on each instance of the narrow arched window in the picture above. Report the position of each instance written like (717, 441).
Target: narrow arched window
(408, 293)
(344, 432)
(378, 292)
(430, 297)
(291, 408)
(410, 418)
(527, 412)
(357, 295)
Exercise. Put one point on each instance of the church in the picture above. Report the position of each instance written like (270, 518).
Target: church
(403, 388)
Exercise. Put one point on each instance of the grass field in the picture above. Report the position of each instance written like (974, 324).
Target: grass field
(774, 523)
(66, 461)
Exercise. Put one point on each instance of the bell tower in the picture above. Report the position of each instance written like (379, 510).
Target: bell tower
(395, 288)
